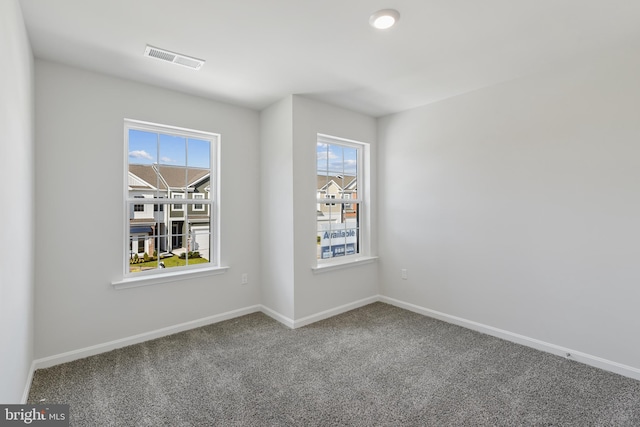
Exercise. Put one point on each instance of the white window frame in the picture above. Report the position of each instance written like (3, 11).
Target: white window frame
(177, 196)
(362, 199)
(161, 275)
(200, 196)
(142, 237)
(347, 196)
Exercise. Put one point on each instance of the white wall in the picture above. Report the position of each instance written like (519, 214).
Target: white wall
(513, 206)
(276, 211)
(318, 292)
(518, 206)
(289, 180)
(17, 212)
(79, 173)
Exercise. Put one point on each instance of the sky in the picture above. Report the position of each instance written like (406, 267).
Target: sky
(146, 148)
(336, 159)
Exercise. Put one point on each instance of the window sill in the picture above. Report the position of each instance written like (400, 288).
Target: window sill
(134, 282)
(323, 268)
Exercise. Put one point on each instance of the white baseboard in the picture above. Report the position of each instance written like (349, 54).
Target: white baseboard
(27, 387)
(585, 358)
(277, 316)
(69, 356)
(598, 362)
(318, 316)
(334, 311)
(136, 339)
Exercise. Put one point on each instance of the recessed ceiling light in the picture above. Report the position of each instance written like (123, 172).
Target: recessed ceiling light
(384, 19)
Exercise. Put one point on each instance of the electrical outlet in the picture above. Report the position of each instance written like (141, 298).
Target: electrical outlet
(244, 279)
(403, 274)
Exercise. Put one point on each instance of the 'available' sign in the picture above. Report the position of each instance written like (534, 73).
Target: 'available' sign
(338, 239)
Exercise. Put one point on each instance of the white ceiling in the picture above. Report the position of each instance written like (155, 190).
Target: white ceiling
(259, 51)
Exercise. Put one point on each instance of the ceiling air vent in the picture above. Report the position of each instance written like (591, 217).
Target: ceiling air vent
(175, 58)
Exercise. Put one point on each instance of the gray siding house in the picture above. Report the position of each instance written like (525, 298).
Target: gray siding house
(159, 222)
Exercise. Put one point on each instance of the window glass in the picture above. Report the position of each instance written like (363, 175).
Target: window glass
(338, 170)
(169, 163)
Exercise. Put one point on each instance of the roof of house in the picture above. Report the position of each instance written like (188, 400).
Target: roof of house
(198, 218)
(163, 176)
(342, 181)
(142, 221)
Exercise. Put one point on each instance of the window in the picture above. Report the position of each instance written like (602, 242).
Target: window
(347, 206)
(178, 207)
(198, 206)
(165, 163)
(340, 215)
(158, 208)
(138, 208)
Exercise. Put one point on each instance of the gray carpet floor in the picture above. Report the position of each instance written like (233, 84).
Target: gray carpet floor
(377, 365)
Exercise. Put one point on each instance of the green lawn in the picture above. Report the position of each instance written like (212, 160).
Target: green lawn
(173, 261)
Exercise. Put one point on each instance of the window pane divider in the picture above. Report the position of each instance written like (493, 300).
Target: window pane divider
(330, 200)
(175, 201)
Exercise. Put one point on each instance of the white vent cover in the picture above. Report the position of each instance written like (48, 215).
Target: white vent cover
(175, 58)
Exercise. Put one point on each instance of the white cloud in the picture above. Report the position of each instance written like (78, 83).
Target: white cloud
(323, 155)
(140, 154)
(166, 160)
